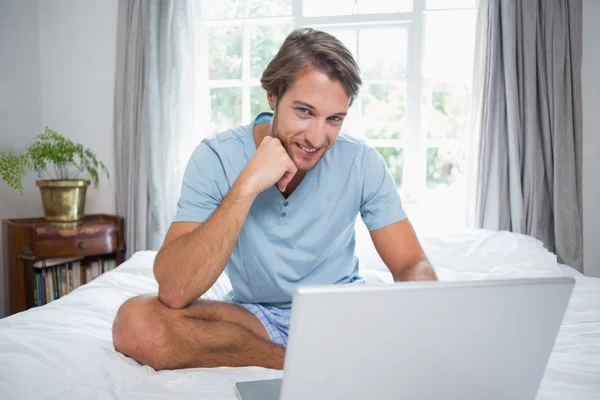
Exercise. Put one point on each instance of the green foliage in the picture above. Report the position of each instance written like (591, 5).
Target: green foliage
(265, 41)
(51, 154)
(383, 110)
(225, 61)
(435, 173)
(439, 101)
(394, 159)
(12, 168)
(442, 167)
(226, 104)
(258, 100)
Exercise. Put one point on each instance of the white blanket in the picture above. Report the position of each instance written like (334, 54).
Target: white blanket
(64, 351)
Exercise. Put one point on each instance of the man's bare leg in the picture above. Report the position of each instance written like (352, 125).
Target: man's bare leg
(204, 334)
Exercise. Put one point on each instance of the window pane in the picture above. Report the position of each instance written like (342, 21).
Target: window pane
(383, 110)
(346, 36)
(222, 9)
(228, 9)
(225, 53)
(225, 108)
(447, 110)
(317, 8)
(265, 41)
(258, 101)
(382, 6)
(449, 43)
(445, 167)
(383, 52)
(350, 125)
(394, 159)
(449, 4)
(270, 8)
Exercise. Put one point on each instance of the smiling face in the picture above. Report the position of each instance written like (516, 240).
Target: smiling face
(309, 116)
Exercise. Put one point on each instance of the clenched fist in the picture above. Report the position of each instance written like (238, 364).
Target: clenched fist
(271, 164)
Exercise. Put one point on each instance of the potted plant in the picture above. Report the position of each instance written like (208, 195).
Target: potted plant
(58, 162)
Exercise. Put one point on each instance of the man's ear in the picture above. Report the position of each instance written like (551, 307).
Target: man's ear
(272, 99)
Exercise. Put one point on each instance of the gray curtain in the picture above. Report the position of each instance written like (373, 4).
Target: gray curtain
(157, 112)
(131, 123)
(173, 105)
(529, 172)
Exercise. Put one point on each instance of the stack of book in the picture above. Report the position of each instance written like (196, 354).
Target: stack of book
(57, 277)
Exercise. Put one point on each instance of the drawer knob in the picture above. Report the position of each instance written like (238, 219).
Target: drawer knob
(83, 246)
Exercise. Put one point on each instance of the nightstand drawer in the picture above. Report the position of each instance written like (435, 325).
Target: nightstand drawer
(77, 246)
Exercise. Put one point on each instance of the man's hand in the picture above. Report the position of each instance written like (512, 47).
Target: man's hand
(271, 164)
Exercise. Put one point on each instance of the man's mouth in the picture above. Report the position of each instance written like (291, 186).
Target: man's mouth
(307, 152)
(308, 149)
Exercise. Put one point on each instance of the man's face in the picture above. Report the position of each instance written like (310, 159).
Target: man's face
(309, 116)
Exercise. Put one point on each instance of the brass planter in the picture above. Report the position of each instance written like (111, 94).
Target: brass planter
(63, 201)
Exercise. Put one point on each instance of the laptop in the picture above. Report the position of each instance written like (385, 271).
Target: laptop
(466, 340)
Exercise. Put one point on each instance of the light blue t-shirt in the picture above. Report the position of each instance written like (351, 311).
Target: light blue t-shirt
(306, 239)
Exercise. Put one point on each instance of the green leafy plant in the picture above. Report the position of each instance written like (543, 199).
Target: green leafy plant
(52, 156)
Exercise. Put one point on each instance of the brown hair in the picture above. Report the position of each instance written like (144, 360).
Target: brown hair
(308, 48)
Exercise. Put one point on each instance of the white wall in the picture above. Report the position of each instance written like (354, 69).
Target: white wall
(591, 137)
(78, 42)
(57, 68)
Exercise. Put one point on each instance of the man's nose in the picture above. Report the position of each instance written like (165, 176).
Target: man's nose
(316, 133)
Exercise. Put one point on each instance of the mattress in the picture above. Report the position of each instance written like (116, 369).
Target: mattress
(63, 350)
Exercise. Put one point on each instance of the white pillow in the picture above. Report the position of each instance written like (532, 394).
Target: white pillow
(478, 252)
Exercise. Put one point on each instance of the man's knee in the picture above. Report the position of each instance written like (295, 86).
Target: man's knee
(140, 328)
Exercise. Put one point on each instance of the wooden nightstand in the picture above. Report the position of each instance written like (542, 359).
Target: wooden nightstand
(29, 241)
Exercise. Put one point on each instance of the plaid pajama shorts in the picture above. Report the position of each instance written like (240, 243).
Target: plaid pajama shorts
(275, 320)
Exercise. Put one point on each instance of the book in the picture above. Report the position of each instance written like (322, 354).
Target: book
(76, 274)
(69, 277)
(36, 291)
(46, 295)
(55, 283)
(64, 272)
(55, 261)
(57, 277)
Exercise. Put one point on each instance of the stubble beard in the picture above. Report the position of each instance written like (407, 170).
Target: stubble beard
(287, 145)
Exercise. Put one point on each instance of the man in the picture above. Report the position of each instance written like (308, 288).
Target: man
(274, 202)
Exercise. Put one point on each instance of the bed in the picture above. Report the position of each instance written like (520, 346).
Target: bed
(63, 350)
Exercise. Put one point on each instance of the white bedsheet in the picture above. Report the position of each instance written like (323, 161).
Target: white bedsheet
(64, 351)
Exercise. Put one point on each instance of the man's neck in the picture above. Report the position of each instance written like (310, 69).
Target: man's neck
(293, 184)
(261, 131)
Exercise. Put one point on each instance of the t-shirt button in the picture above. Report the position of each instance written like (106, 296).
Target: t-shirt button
(283, 214)
(285, 204)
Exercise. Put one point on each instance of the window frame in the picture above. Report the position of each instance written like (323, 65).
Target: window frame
(415, 142)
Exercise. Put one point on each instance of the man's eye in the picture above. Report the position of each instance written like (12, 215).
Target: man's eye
(303, 110)
(335, 118)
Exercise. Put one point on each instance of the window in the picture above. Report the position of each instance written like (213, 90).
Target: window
(416, 61)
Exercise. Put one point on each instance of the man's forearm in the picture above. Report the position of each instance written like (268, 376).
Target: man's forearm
(421, 271)
(188, 267)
